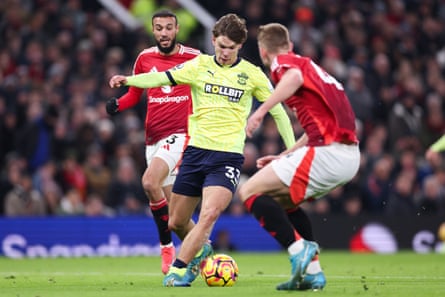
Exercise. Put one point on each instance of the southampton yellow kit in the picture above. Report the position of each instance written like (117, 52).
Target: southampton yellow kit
(221, 100)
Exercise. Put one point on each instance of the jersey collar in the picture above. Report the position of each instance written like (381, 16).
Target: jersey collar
(238, 59)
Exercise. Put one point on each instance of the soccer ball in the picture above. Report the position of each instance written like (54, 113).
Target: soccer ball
(219, 270)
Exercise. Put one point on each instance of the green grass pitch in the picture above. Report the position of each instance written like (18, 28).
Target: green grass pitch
(403, 274)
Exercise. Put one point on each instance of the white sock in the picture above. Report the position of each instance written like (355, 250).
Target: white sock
(295, 247)
(167, 245)
(313, 267)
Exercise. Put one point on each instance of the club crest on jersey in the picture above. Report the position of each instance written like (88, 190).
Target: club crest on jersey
(234, 95)
(242, 78)
(165, 89)
(179, 66)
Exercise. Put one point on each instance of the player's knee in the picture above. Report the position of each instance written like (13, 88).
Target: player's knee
(176, 225)
(209, 216)
(149, 184)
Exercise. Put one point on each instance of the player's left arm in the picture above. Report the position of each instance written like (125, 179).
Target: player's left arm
(289, 83)
(278, 112)
(284, 125)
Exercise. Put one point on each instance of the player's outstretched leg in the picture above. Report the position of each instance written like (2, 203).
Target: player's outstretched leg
(299, 263)
(183, 277)
(176, 278)
(194, 266)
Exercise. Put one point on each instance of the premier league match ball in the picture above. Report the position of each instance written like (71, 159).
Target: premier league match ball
(219, 270)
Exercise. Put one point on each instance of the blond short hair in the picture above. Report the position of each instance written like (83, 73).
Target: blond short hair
(273, 37)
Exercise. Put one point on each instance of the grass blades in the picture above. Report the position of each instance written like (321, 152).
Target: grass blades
(402, 274)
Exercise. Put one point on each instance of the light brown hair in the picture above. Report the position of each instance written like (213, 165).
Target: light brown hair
(273, 37)
(231, 26)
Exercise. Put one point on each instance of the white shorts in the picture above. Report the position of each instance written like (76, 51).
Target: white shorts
(311, 172)
(170, 150)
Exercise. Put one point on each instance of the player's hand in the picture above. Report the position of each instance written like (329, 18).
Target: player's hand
(263, 161)
(118, 81)
(253, 123)
(112, 106)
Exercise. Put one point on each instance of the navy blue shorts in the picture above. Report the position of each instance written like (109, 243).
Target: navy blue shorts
(202, 168)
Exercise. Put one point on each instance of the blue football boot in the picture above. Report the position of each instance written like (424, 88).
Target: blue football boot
(313, 282)
(299, 263)
(193, 267)
(175, 277)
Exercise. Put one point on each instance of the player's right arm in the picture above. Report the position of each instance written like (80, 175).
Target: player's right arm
(180, 74)
(143, 80)
(439, 145)
(432, 154)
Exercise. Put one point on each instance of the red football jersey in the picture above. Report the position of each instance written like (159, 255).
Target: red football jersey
(168, 107)
(320, 104)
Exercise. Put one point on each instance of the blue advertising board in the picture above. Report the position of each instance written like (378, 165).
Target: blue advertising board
(137, 236)
(119, 236)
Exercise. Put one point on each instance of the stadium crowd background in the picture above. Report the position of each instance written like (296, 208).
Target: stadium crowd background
(61, 154)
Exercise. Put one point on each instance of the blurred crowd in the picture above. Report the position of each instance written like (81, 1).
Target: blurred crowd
(61, 154)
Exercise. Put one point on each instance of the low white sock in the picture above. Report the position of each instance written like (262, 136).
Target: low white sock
(313, 267)
(167, 245)
(295, 247)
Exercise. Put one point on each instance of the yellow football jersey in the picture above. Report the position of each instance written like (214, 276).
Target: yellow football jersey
(222, 100)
